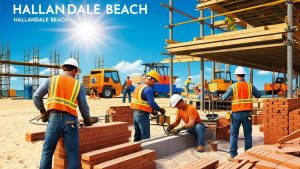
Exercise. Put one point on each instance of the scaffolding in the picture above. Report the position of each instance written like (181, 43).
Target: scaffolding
(5, 69)
(99, 62)
(75, 55)
(31, 72)
(268, 35)
(54, 60)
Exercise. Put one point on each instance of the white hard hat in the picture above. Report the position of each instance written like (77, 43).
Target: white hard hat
(240, 71)
(175, 99)
(73, 62)
(189, 77)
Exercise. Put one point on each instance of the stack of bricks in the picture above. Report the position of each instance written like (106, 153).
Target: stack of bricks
(294, 120)
(276, 118)
(90, 159)
(203, 163)
(223, 129)
(257, 119)
(139, 160)
(121, 113)
(94, 138)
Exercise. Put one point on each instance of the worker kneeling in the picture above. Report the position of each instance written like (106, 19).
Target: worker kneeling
(191, 118)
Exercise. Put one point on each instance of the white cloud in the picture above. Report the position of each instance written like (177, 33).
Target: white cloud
(262, 72)
(13, 78)
(45, 71)
(12, 69)
(125, 67)
(178, 83)
(42, 61)
(208, 69)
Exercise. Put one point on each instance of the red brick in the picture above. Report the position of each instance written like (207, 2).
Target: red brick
(34, 136)
(262, 164)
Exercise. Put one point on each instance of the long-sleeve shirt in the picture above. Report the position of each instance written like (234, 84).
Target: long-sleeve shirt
(148, 96)
(229, 93)
(43, 90)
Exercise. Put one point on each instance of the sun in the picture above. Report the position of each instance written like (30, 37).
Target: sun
(88, 32)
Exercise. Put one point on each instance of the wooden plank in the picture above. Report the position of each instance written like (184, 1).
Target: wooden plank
(226, 43)
(292, 136)
(291, 149)
(206, 4)
(251, 32)
(237, 49)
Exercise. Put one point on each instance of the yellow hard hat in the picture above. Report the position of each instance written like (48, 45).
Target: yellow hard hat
(154, 74)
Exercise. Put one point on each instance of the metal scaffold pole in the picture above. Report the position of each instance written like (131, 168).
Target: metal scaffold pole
(202, 62)
(290, 30)
(171, 38)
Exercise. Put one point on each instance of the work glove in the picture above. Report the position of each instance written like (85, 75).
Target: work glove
(169, 129)
(90, 121)
(44, 115)
(176, 131)
(162, 111)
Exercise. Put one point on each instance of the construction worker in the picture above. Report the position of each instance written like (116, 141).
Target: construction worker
(127, 86)
(242, 104)
(187, 84)
(143, 104)
(230, 24)
(191, 118)
(65, 93)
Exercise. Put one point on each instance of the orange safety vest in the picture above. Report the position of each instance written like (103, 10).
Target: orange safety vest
(62, 94)
(128, 83)
(242, 96)
(137, 102)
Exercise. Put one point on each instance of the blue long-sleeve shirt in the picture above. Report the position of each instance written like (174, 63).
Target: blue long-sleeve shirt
(43, 90)
(148, 96)
(229, 93)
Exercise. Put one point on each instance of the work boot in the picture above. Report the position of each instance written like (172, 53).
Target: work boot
(200, 149)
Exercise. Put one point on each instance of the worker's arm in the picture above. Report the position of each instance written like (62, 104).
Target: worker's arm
(255, 92)
(177, 121)
(227, 94)
(192, 118)
(39, 94)
(148, 95)
(82, 103)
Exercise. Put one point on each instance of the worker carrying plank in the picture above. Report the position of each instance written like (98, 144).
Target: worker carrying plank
(187, 84)
(191, 118)
(64, 95)
(127, 86)
(242, 104)
(142, 104)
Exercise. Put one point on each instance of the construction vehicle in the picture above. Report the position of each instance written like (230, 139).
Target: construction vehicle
(279, 87)
(106, 82)
(220, 84)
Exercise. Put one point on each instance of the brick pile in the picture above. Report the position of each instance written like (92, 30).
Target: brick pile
(94, 138)
(294, 120)
(140, 160)
(203, 163)
(276, 118)
(257, 119)
(121, 113)
(223, 129)
(90, 159)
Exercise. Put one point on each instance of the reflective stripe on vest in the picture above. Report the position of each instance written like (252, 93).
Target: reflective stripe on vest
(62, 94)
(242, 96)
(137, 102)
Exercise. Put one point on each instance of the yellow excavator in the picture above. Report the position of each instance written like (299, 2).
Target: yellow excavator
(219, 84)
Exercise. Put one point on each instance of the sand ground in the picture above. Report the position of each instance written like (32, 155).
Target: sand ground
(16, 153)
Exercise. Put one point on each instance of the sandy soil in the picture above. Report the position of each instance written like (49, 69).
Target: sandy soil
(16, 153)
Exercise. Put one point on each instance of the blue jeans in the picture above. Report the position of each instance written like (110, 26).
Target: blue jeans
(199, 132)
(58, 126)
(238, 118)
(141, 124)
(125, 92)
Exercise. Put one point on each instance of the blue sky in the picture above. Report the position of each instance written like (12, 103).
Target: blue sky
(126, 40)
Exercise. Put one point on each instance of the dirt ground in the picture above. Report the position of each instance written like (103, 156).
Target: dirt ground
(16, 153)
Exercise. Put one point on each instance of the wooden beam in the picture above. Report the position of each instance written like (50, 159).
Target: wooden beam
(207, 4)
(275, 37)
(292, 136)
